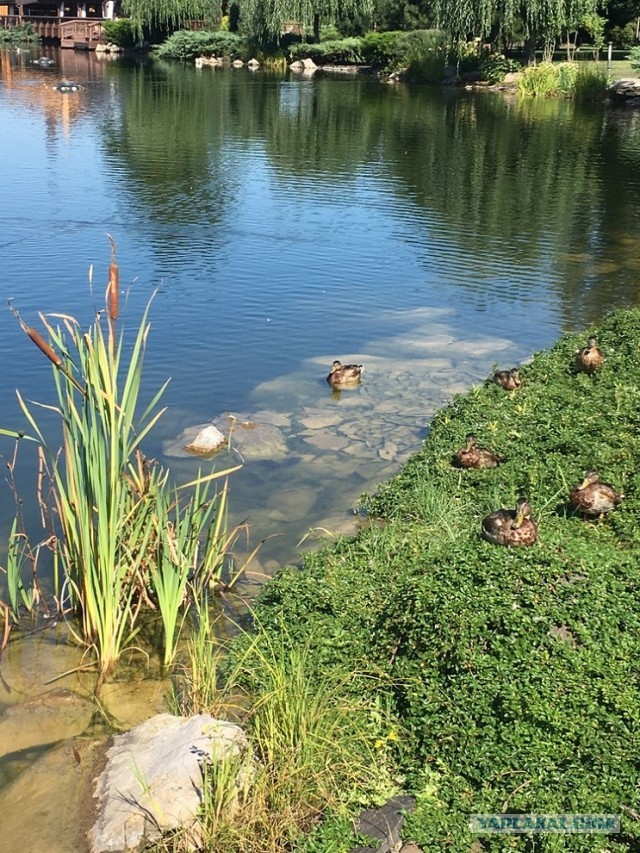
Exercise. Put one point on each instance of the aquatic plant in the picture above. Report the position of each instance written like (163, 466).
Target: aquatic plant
(128, 540)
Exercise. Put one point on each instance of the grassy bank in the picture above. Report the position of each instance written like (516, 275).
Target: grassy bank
(512, 673)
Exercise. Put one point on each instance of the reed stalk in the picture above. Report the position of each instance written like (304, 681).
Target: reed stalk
(126, 538)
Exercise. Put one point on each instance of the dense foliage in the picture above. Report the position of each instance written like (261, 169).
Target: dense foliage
(18, 34)
(186, 45)
(121, 32)
(513, 672)
(634, 58)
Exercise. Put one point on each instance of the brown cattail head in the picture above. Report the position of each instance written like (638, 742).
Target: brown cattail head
(113, 291)
(43, 346)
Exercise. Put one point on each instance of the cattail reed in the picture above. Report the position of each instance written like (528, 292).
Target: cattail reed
(43, 346)
(113, 291)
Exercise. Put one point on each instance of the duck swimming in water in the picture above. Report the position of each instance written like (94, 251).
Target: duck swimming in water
(344, 375)
(508, 379)
(589, 358)
(511, 527)
(593, 497)
(472, 456)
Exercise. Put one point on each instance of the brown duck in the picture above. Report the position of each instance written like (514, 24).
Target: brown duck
(593, 497)
(508, 379)
(511, 527)
(472, 456)
(589, 358)
(344, 375)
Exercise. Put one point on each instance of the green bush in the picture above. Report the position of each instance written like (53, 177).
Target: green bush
(495, 66)
(513, 671)
(342, 52)
(634, 58)
(582, 82)
(381, 49)
(187, 45)
(424, 53)
(121, 32)
(18, 34)
(623, 36)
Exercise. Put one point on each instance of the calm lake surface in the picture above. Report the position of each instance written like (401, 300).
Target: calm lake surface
(284, 222)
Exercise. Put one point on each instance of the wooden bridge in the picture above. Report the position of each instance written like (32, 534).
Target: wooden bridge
(78, 33)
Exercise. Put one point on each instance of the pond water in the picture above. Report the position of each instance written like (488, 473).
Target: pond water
(284, 222)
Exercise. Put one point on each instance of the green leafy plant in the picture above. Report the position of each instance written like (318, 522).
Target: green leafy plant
(20, 33)
(342, 52)
(126, 536)
(634, 58)
(495, 66)
(121, 32)
(187, 45)
(381, 49)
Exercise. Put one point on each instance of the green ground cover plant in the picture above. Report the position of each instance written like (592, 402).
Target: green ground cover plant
(512, 674)
(581, 81)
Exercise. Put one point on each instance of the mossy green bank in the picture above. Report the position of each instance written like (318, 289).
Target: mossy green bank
(512, 673)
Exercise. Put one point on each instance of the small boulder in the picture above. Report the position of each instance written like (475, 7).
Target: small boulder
(152, 782)
(207, 441)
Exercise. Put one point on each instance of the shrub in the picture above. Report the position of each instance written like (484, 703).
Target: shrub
(424, 53)
(186, 45)
(591, 84)
(342, 52)
(623, 36)
(548, 78)
(634, 58)
(19, 33)
(121, 32)
(495, 66)
(381, 49)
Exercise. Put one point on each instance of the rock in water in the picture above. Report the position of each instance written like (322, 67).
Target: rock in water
(152, 782)
(208, 440)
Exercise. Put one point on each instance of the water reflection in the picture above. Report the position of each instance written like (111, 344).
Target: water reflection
(288, 222)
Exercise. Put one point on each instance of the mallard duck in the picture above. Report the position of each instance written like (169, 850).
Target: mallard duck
(589, 358)
(472, 456)
(344, 374)
(509, 379)
(511, 527)
(593, 497)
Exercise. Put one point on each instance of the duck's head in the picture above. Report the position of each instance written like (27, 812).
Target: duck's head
(337, 365)
(523, 511)
(590, 478)
(471, 440)
(591, 343)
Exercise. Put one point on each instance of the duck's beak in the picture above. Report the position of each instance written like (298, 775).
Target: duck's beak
(519, 518)
(586, 482)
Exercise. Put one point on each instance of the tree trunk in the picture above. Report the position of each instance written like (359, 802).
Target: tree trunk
(530, 48)
(316, 28)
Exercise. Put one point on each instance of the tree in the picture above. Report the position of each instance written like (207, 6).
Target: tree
(543, 19)
(170, 14)
(264, 20)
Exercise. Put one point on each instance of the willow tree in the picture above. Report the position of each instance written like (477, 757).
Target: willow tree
(171, 14)
(545, 19)
(264, 21)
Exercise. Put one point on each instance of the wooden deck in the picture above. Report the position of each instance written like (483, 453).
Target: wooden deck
(78, 33)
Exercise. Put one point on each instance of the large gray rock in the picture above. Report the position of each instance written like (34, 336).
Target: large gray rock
(626, 88)
(249, 437)
(152, 782)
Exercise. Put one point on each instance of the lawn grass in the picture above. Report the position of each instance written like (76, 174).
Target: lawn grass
(512, 674)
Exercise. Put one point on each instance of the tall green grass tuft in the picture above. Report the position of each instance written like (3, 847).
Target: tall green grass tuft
(129, 542)
(314, 748)
(563, 78)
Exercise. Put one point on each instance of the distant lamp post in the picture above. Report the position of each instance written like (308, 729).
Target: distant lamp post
(609, 56)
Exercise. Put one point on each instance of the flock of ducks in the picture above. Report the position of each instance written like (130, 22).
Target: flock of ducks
(515, 527)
